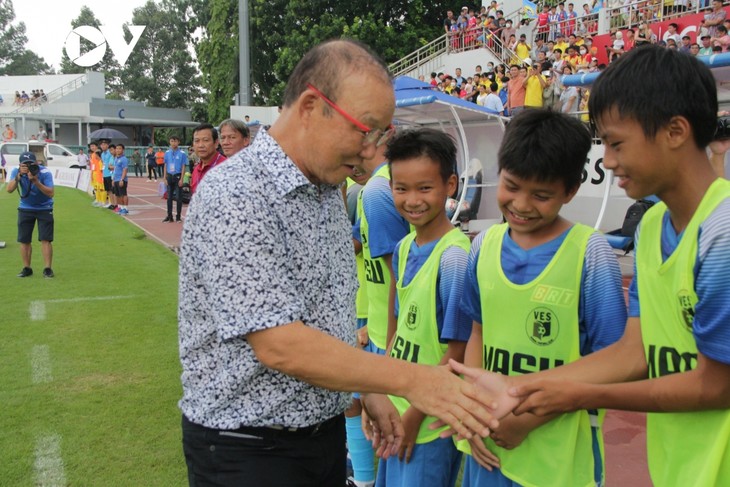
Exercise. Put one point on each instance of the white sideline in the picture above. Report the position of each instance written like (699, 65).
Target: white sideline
(48, 465)
(40, 364)
(37, 308)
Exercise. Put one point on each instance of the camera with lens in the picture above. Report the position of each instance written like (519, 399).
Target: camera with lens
(723, 128)
(33, 168)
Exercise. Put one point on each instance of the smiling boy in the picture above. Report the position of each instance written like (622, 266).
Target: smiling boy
(541, 291)
(673, 360)
(428, 266)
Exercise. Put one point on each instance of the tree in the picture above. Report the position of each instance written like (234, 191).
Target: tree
(391, 29)
(26, 64)
(217, 54)
(107, 65)
(15, 59)
(160, 70)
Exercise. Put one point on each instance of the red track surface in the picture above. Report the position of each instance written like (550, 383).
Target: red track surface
(624, 432)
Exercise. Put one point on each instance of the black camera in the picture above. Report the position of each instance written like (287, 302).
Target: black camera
(33, 168)
(723, 128)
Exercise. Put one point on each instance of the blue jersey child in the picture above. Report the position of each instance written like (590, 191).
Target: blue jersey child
(428, 266)
(541, 291)
(673, 361)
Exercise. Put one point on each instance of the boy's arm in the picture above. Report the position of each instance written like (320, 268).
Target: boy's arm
(703, 388)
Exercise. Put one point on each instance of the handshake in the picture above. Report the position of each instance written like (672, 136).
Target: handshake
(470, 408)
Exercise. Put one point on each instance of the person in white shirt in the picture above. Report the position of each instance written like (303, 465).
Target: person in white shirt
(492, 101)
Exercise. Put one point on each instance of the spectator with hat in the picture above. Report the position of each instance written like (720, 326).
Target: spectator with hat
(34, 183)
(705, 47)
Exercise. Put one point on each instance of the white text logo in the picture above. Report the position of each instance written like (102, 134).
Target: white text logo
(114, 36)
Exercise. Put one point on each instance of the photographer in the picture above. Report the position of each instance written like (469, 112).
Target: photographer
(34, 183)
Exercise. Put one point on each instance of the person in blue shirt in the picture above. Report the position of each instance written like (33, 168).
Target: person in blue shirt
(175, 162)
(119, 179)
(35, 186)
(673, 360)
(107, 160)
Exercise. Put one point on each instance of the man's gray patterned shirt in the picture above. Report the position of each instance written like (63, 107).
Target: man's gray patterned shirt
(262, 247)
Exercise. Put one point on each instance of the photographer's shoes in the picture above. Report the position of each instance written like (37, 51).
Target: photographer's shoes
(47, 272)
(26, 272)
(167, 219)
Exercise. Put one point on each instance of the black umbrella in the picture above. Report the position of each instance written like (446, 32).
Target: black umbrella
(107, 134)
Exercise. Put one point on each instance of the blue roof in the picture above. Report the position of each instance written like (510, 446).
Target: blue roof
(410, 92)
(714, 61)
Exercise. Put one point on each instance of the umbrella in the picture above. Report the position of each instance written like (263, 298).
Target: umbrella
(107, 134)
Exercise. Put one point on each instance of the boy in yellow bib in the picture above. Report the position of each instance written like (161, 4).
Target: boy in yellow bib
(541, 292)
(428, 266)
(673, 360)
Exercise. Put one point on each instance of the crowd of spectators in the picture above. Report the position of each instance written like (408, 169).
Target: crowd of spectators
(492, 29)
(532, 77)
(36, 97)
(563, 23)
(531, 74)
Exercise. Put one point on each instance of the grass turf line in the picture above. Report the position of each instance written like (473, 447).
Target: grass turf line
(115, 368)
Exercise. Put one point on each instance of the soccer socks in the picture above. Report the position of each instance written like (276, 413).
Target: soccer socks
(361, 451)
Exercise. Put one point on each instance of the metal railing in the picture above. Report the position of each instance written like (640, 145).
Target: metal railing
(421, 56)
(453, 42)
(52, 96)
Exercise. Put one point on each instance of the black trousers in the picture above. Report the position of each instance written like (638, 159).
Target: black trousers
(173, 189)
(266, 457)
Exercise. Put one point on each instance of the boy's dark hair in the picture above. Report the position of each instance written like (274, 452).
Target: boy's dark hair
(120, 145)
(206, 126)
(434, 144)
(175, 137)
(112, 146)
(546, 146)
(493, 86)
(653, 102)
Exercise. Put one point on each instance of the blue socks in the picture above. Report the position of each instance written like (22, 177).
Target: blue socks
(361, 451)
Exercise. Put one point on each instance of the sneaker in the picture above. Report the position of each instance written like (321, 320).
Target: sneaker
(26, 272)
(178, 219)
(48, 273)
(110, 207)
(167, 219)
(149, 180)
(117, 209)
(124, 212)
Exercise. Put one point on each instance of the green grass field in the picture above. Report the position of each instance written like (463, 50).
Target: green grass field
(89, 371)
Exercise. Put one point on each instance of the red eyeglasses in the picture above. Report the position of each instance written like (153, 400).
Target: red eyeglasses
(370, 136)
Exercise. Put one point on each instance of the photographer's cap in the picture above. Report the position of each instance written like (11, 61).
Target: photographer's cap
(27, 157)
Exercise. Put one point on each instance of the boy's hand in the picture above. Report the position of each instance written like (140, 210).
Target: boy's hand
(467, 409)
(511, 433)
(482, 455)
(542, 397)
(385, 429)
(496, 385)
(362, 336)
(412, 420)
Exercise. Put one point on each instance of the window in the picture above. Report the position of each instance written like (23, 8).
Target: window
(14, 149)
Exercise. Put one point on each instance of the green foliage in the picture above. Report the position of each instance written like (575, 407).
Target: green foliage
(15, 59)
(108, 65)
(283, 32)
(217, 54)
(160, 70)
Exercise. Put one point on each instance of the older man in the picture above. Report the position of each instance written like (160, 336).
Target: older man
(205, 145)
(267, 293)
